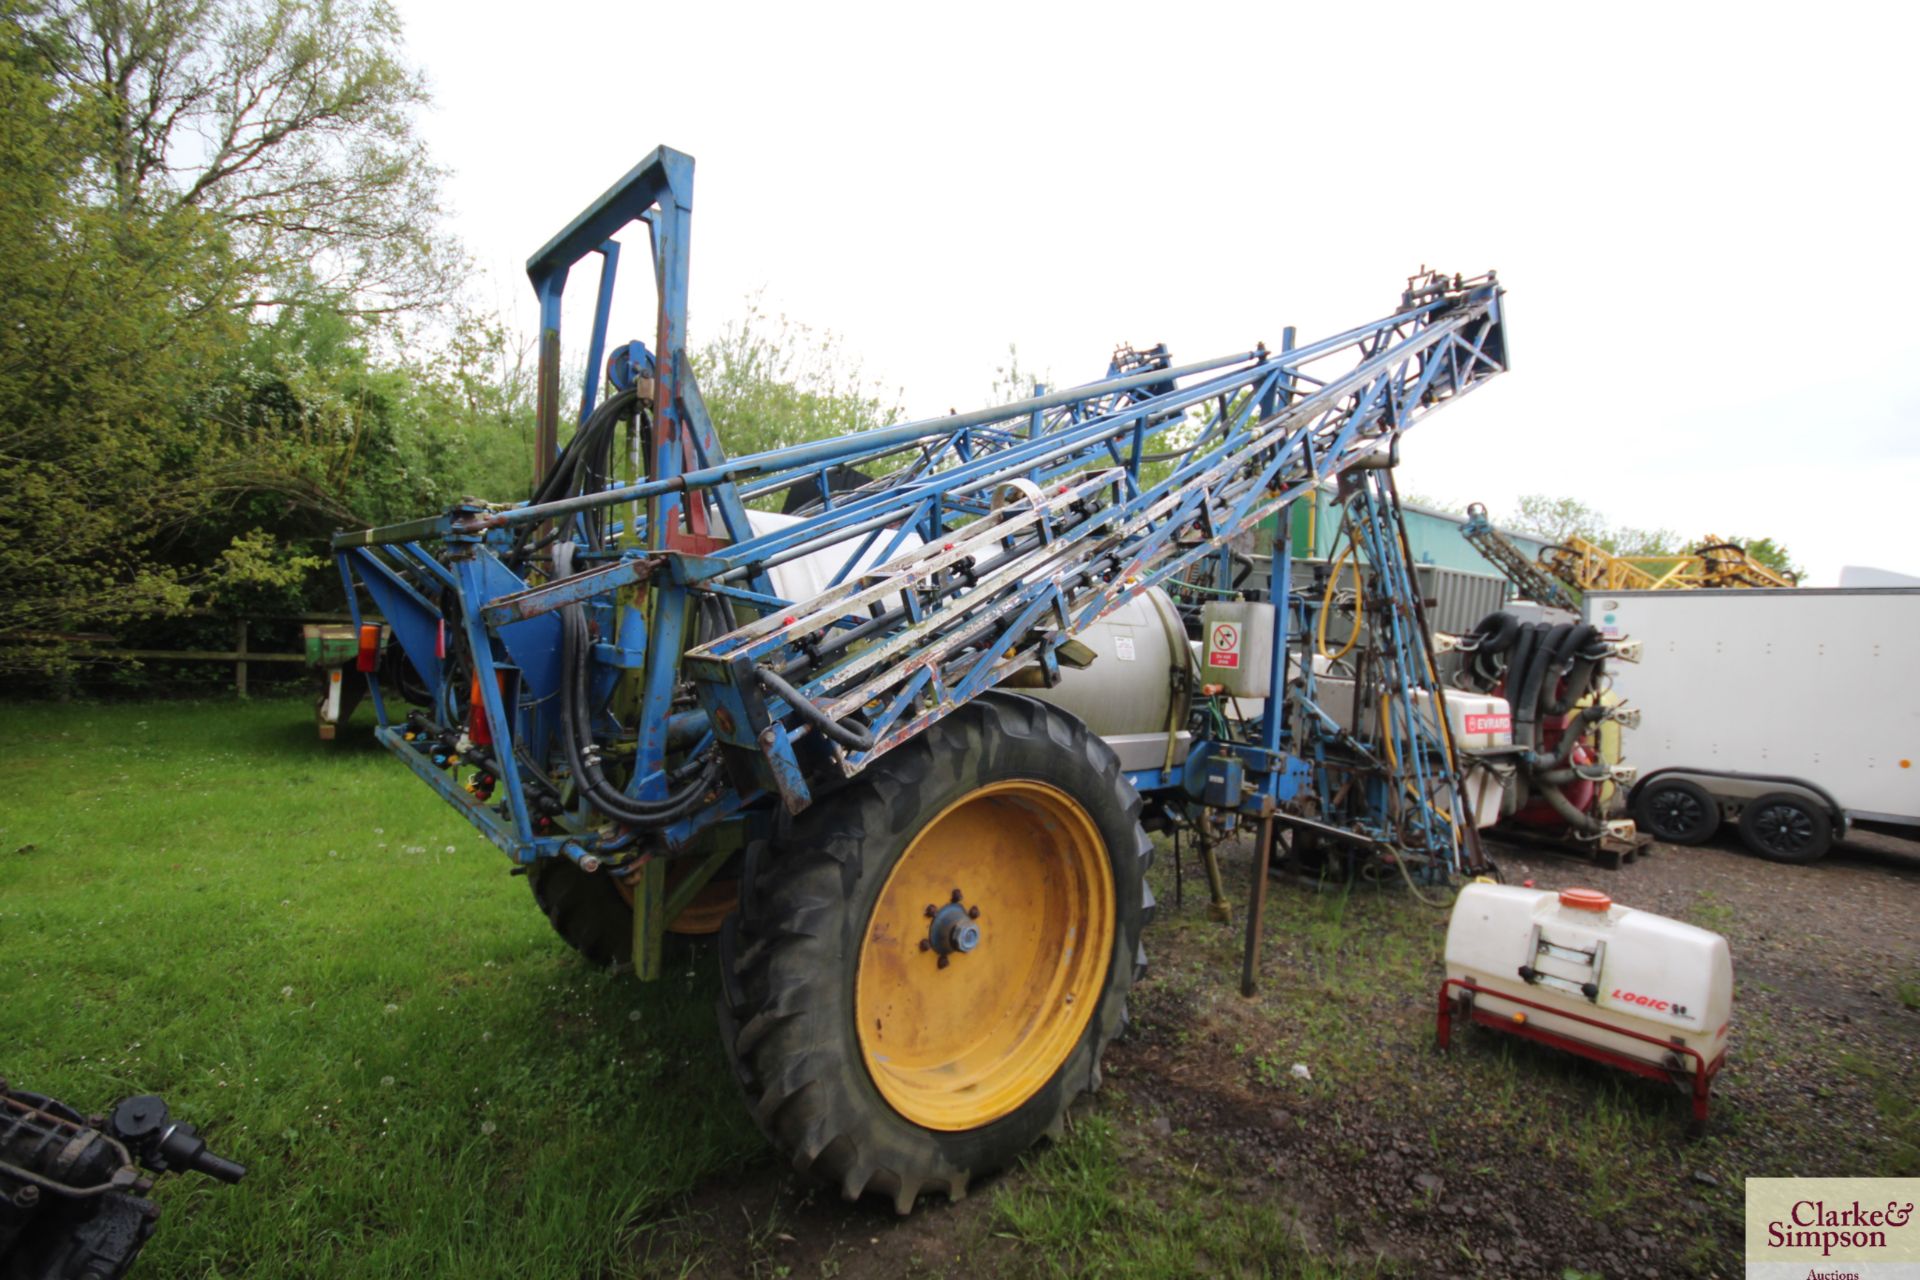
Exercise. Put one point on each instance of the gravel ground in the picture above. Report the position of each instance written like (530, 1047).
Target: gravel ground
(1496, 1159)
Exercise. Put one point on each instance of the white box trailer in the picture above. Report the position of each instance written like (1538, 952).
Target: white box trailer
(1792, 713)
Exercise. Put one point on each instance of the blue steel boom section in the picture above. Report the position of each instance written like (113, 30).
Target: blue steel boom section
(1092, 538)
(1032, 520)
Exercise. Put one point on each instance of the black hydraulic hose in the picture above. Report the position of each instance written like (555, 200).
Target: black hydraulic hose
(575, 731)
(838, 640)
(1493, 634)
(576, 728)
(1490, 637)
(1581, 656)
(1517, 659)
(857, 739)
(584, 457)
(586, 441)
(1567, 640)
(1578, 683)
(582, 709)
(716, 619)
(1526, 707)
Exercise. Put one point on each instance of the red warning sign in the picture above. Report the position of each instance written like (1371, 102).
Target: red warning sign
(1223, 645)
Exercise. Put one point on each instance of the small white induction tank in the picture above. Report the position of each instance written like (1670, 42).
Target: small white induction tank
(1589, 960)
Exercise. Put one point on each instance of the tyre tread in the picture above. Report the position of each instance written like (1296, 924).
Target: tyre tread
(774, 953)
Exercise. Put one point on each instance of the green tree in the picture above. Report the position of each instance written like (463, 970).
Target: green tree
(770, 381)
(200, 206)
(105, 322)
(287, 123)
(1556, 519)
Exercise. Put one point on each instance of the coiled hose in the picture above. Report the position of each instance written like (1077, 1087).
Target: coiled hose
(1549, 671)
(1326, 605)
(693, 777)
(582, 467)
(696, 776)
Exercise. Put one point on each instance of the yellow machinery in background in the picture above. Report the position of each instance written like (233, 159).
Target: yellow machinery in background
(1714, 563)
(1567, 570)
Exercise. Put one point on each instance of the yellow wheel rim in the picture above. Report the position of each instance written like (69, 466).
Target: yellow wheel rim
(959, 1045)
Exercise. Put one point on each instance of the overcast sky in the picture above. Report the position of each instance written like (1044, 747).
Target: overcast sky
(1705, 217)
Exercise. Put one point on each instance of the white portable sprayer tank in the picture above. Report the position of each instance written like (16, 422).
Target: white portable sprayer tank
(1575, 971)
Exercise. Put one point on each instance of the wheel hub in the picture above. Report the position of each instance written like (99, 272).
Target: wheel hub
(953, 931)
(1785, 826)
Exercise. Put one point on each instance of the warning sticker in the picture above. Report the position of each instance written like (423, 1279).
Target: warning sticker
(1223, 645)
(1123, 648)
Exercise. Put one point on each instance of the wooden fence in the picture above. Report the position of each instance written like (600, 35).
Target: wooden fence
(242, 655)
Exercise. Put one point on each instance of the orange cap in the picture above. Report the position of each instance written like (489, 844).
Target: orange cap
(1585, 899)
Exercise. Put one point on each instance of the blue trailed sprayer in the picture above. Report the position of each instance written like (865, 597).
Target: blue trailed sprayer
(894, 713)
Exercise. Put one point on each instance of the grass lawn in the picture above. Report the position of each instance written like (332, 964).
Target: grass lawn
(320, 964)
(316, 961)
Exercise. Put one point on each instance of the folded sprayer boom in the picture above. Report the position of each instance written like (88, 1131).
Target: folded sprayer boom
(1065, 540)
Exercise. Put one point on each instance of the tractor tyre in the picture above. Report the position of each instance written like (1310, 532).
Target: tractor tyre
(594, 918)
(587, 911)
(925, 976)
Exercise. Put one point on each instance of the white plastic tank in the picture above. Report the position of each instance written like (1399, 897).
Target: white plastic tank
(1236, 646)
(1583, 954)
(1480, 721)
(1127, 694)
(807, 576)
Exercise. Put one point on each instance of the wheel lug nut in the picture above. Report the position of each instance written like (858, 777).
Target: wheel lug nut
(931, 911)
(973, 913)
(925, 945)
(943, 962)
(956, 895)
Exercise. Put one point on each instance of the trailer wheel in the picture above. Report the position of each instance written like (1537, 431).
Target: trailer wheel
(925, 977)
(1785, 827)
(594, 918)
(1677, 811)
